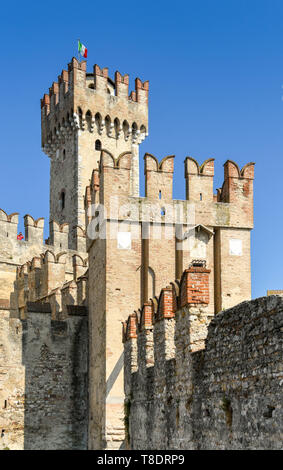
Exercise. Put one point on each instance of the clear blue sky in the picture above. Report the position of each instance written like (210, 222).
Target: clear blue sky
(216, 73)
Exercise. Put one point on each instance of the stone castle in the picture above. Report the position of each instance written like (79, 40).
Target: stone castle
(62, 300)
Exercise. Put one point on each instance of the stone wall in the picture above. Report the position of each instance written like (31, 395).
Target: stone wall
(44, 379)
(196, 381)
(31, 251)
(43, 337)
(12, 382)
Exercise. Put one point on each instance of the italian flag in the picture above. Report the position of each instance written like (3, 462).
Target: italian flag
(82, 49)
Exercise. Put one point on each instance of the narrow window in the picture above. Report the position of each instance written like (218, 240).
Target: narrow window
(162, 212)
(160, 195)
(200, 196)
(64, 154)
(80, 113)
(62, 200)
(97, 145)
(5, 404)
(88, 117)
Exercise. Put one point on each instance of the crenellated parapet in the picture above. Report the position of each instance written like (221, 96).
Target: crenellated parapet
(199, 179)
(15, 251)
(53, 271)
(92, 102)
(34, 229)
(47, 279)
(59, 235)
(35, 265)
(8, 224)
(232, 206)
(209, 374)
(33, 239)
(238, 184)
(159, 177)
(158, 341)
(115, 175)
(192, 290)
(190, 377)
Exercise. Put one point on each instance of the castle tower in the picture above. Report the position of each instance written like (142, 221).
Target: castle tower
(127, 268)
(82, 114)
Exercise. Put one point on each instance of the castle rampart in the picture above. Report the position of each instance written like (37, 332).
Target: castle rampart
(14, 254)
(44, 345)
(43, 379)
(193, 381)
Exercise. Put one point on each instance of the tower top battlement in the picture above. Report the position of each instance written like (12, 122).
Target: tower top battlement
(82, 100)
(82, 114)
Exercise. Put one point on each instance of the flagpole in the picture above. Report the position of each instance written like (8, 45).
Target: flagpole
(78, 50)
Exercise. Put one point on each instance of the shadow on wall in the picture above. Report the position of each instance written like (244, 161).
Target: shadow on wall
(111, 381)
(55, 356)
(225, 394)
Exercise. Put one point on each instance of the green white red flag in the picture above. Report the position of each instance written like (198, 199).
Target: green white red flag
(82, 49)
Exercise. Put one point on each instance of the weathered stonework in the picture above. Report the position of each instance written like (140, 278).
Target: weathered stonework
(62, 300)
(133, 275)
(215, 382)
(43, 384)
(80, 111)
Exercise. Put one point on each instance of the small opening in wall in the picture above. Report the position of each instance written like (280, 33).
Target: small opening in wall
(2, 432)
(160, 195)
(64, 154)
(7, 234)
(91, 86)
(5, 404)
(198, 263)
(97, 145)
(62, 200)
(162, 212)
(269, 411)
(200, 196)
